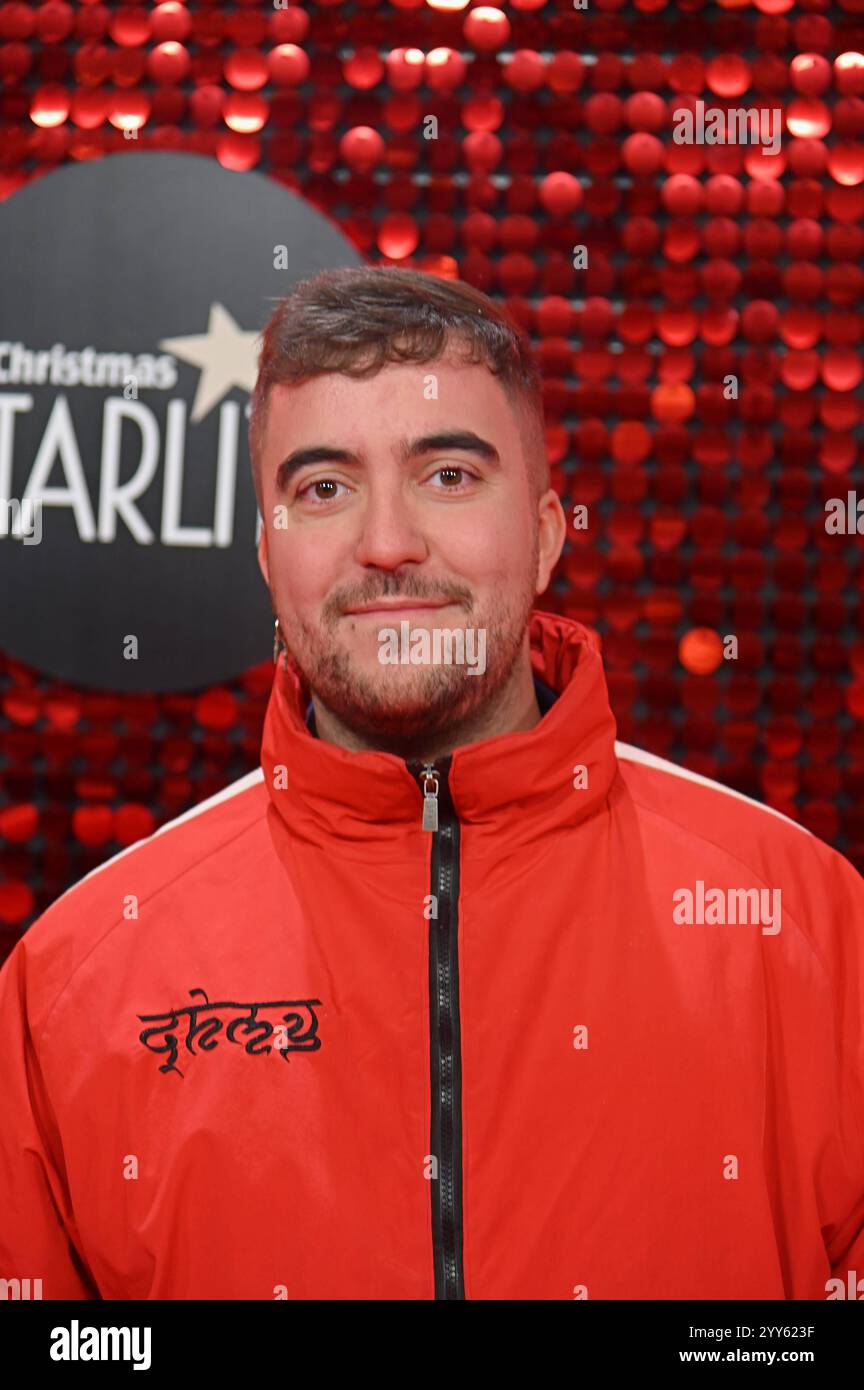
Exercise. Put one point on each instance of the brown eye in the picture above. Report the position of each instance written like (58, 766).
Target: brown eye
(455, 477)
(311, 493)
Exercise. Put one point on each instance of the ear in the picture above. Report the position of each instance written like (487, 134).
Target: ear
(263, 564)
(552, 533)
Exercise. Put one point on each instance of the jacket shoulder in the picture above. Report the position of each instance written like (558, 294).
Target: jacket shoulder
(83, 916)
(707, 807)
(699, 822)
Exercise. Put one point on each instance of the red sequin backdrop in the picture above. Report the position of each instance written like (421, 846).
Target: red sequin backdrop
(707, 514)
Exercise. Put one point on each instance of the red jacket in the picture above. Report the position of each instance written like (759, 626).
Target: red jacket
(294, 1045)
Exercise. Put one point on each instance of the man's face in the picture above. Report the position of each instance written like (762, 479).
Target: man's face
(364, 524)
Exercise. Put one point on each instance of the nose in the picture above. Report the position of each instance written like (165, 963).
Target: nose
(390, 533)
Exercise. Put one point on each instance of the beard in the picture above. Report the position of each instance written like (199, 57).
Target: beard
(402, 707)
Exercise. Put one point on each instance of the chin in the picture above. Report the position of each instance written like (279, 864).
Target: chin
(404, 693)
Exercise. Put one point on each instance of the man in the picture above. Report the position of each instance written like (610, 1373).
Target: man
(456, 997)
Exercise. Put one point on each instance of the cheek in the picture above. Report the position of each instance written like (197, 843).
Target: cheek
(301, 574)
(485, 558)
(492, 540)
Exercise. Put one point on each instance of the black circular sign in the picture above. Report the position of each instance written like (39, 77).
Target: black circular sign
(134, 291)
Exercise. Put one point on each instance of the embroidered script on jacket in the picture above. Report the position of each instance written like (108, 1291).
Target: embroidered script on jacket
(295, 1030)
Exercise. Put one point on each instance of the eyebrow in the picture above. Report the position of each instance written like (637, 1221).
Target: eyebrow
(465, 440)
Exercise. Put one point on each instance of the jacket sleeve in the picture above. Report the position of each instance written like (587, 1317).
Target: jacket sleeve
(843, 1231)
(36, 1219)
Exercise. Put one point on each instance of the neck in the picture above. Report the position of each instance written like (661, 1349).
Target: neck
(514, 710)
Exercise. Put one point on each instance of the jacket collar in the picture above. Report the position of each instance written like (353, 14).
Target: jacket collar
(508, 790)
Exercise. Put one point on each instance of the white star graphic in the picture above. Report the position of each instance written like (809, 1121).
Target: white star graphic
(226, 355)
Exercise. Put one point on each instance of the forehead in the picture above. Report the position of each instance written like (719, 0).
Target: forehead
(398, 399)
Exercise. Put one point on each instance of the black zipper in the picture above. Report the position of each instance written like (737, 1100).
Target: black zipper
(439, 817)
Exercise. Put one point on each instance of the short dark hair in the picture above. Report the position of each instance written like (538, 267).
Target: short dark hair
(354, 319)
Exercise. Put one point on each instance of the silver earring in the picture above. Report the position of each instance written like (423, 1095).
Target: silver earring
(279, 641)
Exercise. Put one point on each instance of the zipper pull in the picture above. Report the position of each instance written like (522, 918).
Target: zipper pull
(430, 798)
